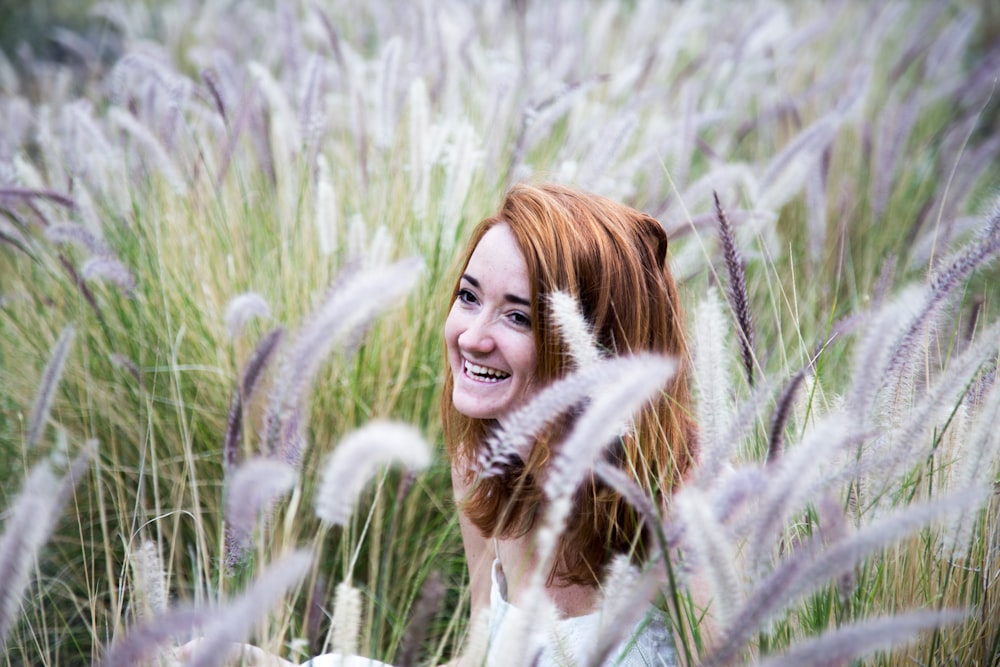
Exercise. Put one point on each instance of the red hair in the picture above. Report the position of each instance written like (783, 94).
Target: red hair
(613, 260)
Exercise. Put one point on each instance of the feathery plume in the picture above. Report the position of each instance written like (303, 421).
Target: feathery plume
(426, 606)
(462, 163)
(785, 174)
(575, 328)
(795, 478)
(27, 527)
(356, 459)
(851, 641)
(781, 413)
(873, 351)
(109, 269)
(242, 308)
(149, 584)
(36, 193)
(151, 146)
(211, 79)
(626, 487)
(252, 490)
(626, 601)
(711, 385)
(420, 159)
(47, 386)
(62, 233)
(234, 621)
(29, 523)
(974, 468)
(738, 297)
(345, 627)
(145, 640)
(949, 387)
(941, 286)
(601, 421)
(522, 425)
(326, 217)
(251, 376)
(344, 311)
(712, 550)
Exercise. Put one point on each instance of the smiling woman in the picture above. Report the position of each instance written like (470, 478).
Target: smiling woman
(491, 346)
(503, 346)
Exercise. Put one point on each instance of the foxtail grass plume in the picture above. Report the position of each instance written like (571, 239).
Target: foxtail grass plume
(252, 490)
(462, 165)
(974, 468)
(849, 642)
(738, 297)
(357, 458)
(797, 476)
(234, 621)
(242, 308)
(574, 328)
(421, 159)
(343, 312)
(149, 581)
(942, 285)
(712, 551)
(782, 411)
(326, 215)
(523, 424)
(47, 386)
(244, 392)
(421, 617)
(902, 447)
(345, 627)
(157, 156)
(25, 531)
(78, 235)
(109, 270)
(29, 522)
(711, 384)
(146, 642)
(784, 176)
(601, 421)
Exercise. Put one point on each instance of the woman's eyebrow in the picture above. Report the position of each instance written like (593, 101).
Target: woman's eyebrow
(512, 298)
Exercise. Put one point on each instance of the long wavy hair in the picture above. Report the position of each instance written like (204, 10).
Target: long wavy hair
(613, 260)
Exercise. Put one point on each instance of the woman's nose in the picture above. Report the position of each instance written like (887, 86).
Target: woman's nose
(478, 336)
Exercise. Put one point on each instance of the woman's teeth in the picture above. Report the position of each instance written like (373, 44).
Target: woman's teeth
(484, 373)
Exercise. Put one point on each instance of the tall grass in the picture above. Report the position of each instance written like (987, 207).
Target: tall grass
(229, 217)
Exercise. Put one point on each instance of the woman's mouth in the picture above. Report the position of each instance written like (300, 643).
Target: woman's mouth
(483, 373)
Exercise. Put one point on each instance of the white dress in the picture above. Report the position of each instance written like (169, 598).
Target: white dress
(568, 644)
(570, 641)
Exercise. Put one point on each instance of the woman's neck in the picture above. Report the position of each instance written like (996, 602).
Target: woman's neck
(518, 559)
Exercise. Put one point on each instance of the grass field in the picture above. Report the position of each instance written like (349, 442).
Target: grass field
(226, 236)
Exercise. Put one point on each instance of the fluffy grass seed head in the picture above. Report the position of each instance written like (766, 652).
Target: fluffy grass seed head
(575, 329)
(356, 459)
(234, 621)
(242, 308)
(345, 626)
(47, 387)
(149, 582)
(252, 490)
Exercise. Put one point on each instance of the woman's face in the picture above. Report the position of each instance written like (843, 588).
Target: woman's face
(491, 347)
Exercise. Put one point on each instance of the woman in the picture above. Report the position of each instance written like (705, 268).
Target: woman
(502, 346)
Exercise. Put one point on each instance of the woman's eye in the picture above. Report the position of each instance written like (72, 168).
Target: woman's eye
(520, 319)
(465, 296)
